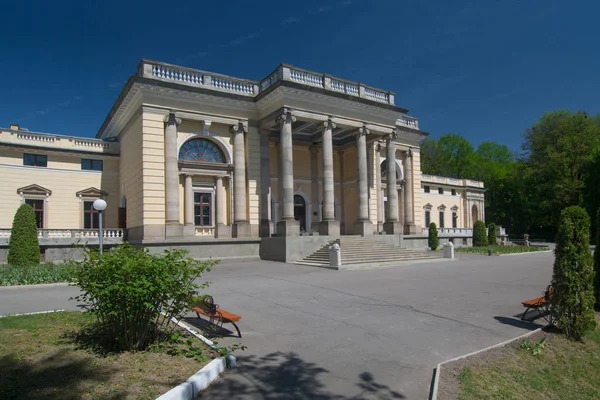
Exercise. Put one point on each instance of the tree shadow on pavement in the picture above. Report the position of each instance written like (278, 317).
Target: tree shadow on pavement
(519, 323)
(283, 376)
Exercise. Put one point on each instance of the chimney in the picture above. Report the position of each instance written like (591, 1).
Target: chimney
(14, 127)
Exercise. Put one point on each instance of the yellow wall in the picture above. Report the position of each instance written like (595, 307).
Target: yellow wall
(153, 168)
(419, 214)
(64, 177)
(131, 172)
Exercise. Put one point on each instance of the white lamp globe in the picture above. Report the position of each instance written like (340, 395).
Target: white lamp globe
(99, 205)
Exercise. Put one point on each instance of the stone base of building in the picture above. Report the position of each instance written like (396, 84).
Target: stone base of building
(363, 228)
(412, 230)
(241, 229)
(291, 248)
(329, 228)
(393, 228)
(222, 231)
(173, 230)
(189, 230)
(288, 228)
(266, 228)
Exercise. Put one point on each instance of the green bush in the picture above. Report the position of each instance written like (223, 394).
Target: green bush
(479, 234)
(492, 233)
(572, 300)
(597, 261)
(127, 289)
(23, 245)
(32, 274)
(433, 236)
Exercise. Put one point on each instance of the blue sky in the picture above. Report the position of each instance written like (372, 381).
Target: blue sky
(484, 69)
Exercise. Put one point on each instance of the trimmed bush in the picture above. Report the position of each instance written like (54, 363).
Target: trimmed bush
(492, 233)
(433, 237)
(572, 300)
(480, 238)
(127, 289)
(597, 261)
(23, 245)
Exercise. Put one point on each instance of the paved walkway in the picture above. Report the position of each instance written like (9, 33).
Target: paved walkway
(314, 333)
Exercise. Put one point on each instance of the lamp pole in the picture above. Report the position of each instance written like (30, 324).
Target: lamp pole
(100, 205)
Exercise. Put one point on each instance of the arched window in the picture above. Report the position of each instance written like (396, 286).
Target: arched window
(201, 150)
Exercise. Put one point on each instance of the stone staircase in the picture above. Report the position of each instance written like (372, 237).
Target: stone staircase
(359, 251)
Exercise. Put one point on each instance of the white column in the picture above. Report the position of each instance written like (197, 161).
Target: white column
(266, 227)
(329, 226)
(220, 201)
(392, 226)
(189, 201)
(240, 227)
(288, 226)
(364, 225)
(172, 225)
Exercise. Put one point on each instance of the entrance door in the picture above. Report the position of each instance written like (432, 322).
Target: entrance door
(300, 211)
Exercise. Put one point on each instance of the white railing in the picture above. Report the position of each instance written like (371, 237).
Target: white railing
(91, 143)
(231, 85)
(35, 137)
(451, 231)
(344, 87)
(176, 74)
(411, 122)
(70, 233)
(307, 78)
(376, 95)
(470, 182)
(205, 231)
(268, 81)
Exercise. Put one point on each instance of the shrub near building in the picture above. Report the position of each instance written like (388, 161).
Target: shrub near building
(572, 298)
(480, 238)
(433, 240)
(23, 245)
(492, 233)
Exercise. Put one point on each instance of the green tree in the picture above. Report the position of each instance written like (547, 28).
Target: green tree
(480, 238)
(492, 233)
(23, 245)
(597, 261)
(572, 298)
(433, 237)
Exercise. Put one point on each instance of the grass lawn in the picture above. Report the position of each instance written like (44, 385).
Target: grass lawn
(500, 249)
(39, 273)
(40, 359)
(564, 370)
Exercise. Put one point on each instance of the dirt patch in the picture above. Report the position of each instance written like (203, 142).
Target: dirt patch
(449, 386)
(39, 360)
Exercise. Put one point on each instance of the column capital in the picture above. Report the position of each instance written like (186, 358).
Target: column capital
(392, 136)
(218, 178)
(409, 153)
(172, 119)
(285, 117)
(238, 128)
(314, 148)
(378, 146)
(363, 131)
(329, 124)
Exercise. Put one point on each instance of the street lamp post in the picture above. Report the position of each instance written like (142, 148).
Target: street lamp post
(100, 205)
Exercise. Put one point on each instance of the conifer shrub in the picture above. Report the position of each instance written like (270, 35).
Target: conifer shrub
(492, 233)
(23, 245)
(572, 299)
(597, 261)
(480, 238)
(433, 240)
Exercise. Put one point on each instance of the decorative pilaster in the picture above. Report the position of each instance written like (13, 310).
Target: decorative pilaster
(391, 225)
(266, 225)
(409, 224)
(241, 226)
(172, 225)
(190, 228)
(222, 230)
(363, 226)
(315, 199)
(329, 226)
(380, 201)
(288, 226)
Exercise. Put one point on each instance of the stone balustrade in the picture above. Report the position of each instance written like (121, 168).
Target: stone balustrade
(59, 141)
(410, 122)
(451, 181)
(454, 232)
(36, 137)
(205, 231)
(111, 235)
(192, 77)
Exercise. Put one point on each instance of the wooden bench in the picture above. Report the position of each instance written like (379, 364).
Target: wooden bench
(208, 308)
(539, 303)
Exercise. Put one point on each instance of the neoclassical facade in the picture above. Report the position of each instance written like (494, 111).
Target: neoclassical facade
(188, 155)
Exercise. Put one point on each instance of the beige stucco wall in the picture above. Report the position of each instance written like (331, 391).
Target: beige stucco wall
(419, 215)
(130, 174)
(64, 177)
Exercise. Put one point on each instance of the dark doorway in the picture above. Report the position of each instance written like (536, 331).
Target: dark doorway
(300, 211)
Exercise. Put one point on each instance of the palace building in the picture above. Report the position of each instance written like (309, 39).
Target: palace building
(234, 167)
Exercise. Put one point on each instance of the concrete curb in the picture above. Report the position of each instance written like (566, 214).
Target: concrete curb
(36, 286)
(529, 252)
(32, 313)
(436, 379)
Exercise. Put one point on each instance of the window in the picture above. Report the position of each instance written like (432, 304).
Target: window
(202, 209)
(453, 192)
(201, 150)
(91, 216)
(454, 219)
(91, 165)
(35, 160)
(427, 189)
(38, 209)
(427, 218)
(441, 190)
(441, 219)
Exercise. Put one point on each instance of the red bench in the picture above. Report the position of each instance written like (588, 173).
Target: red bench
(207, 307)
(539, 303)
